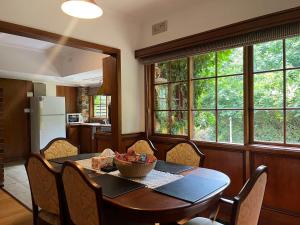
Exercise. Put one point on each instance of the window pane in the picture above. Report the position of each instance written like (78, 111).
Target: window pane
(268, 125)
(292, 46)
(161, 96)
(268, 90)
(161, 72)
(230, 61)
(204, 125)
(179, 95)
(97, 99)
(178, 70)
(230, 92)
(268, 56)
(204, 94)
(293, 126)
(161, 122)
(230, 126)
(293, 88)
(179, 123)
(204, 65)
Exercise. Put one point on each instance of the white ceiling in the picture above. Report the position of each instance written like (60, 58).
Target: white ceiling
(147, 9)
(77, 78)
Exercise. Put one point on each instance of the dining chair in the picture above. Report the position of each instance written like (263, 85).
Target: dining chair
(143, 146)
(46, 191)
(186, 153)
(83, 196)
(246, 205)
(57, 148)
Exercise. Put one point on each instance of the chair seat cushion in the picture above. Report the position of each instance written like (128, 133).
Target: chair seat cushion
(202, 221)
(50, 218)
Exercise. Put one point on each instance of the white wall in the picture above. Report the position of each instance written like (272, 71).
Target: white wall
(210, 14)
(110, 29)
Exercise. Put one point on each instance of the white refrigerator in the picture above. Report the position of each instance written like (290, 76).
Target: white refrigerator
(48, 120)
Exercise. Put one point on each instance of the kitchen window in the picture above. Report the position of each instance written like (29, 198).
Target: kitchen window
(100, 106)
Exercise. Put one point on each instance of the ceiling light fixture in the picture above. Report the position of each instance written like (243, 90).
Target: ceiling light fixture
(83, 9)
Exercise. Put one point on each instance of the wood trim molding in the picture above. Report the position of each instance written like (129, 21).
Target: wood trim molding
(244, 27)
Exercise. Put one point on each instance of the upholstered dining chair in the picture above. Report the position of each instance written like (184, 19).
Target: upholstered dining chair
(143, 146)
(83, 196)
(246, 205)
(57, 148)
(185, 153)
(46, 191)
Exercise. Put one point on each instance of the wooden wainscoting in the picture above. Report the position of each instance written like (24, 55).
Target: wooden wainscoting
(105, 140)
(282, 197)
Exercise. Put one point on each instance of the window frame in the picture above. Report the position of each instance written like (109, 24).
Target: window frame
(92, 108)
(248, 111)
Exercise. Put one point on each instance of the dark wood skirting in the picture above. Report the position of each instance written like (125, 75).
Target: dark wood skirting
(1, 139)
(244, 27)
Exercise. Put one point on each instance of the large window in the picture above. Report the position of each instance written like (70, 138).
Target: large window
(277, 91)
(203, 96)
(100, 106)
(171, 97)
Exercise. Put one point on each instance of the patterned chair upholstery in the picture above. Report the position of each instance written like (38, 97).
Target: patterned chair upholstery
(143, 146)
(247, 205)
(58, 148)
(185, 153)
(44, 183)
(84, 198)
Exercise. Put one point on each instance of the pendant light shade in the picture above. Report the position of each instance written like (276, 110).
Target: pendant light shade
(84, 9)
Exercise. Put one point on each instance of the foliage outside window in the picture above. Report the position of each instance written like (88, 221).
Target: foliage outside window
(277, 91)
(100, 106)
(171, 94)
(202, 96)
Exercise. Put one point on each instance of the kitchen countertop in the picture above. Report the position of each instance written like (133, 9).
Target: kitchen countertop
(89, 124)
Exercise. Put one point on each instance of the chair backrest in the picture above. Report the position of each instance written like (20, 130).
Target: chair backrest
(58, 148)
(83, 197)
(44, 184)
(143, 146)
(247, 204)
(185, 153)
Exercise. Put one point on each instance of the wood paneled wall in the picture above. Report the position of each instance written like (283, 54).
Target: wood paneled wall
(282, 197)
(16, 122)
(70, 94)
(1, 138)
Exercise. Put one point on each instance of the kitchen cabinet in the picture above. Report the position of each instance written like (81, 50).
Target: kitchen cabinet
(70, 94)
(109, 72)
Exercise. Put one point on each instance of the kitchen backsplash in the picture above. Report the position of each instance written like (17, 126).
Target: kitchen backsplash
(83, 103)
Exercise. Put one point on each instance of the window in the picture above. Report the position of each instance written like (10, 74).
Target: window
(202, 96)
(171, 97)
(277, 91)
(100, 106)
(217, 84)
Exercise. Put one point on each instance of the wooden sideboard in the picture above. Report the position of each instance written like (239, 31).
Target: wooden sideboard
(1, 138)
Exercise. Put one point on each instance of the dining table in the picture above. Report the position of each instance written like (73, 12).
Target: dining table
(146, 206)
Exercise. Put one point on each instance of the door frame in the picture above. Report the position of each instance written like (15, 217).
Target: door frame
(20, 30)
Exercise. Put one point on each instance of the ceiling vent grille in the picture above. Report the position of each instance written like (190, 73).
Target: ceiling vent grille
(160, 27)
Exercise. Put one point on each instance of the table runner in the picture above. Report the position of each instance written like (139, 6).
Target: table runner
(153, 179)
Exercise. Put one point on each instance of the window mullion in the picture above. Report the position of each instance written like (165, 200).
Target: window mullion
(284, 91)
(216, 94)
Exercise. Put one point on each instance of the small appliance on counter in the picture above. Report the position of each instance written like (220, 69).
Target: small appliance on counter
(73, 118)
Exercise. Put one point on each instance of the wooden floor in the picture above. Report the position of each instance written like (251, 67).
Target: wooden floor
(12, 212)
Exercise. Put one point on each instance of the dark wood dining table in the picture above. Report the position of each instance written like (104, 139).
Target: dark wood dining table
(145, 206)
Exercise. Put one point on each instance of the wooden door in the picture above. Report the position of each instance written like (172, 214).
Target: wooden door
(16, 122)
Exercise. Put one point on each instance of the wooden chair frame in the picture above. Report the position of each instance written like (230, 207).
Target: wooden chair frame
(61, 199)
(54, 140)
(148, 141)
(238, 200)
(94, 186)
(197, 150)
